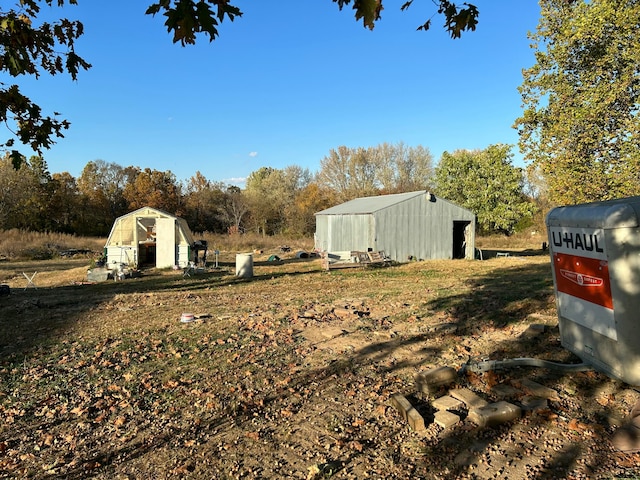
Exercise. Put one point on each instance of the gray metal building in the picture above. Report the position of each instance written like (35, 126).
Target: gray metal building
(414, 225)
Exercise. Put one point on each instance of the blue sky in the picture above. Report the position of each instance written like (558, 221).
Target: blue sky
(283, 85)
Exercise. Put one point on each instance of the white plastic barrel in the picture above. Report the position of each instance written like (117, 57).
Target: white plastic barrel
(244, 265)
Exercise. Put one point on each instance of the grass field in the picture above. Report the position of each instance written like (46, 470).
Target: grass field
(289, 374)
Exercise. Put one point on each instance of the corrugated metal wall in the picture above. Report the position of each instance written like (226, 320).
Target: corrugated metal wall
(345, 232)
(417, 227)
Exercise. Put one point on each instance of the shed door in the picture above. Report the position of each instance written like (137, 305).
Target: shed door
(460, 239)
(165, 242)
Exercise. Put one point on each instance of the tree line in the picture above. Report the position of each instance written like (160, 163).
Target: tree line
(273, 201)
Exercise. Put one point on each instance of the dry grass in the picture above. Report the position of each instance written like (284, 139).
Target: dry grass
(528, 240)
(287, 373)
(250, 242)
(24, 244)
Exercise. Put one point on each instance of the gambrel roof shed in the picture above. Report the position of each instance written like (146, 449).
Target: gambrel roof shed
(414, 225)
(149, 236)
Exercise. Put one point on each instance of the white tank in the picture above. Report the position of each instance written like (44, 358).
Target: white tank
(244, 265)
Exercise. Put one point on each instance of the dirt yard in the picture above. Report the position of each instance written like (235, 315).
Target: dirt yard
(290, 374)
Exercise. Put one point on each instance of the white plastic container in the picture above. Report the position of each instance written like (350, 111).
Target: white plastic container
(244, 265)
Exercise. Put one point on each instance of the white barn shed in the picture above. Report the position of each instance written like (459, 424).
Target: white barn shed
(415, 225)
(149, 236)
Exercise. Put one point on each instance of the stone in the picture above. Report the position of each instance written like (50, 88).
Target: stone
(408, 412)
(534, 330)
(446, 403)
(627, 438)
(446, 419)
(540, 317)
(503, 390)
(466, 396)
(444, 328)
(494, 414)
(534, 388)
(431, 380)
(344, 313)
(532, 403)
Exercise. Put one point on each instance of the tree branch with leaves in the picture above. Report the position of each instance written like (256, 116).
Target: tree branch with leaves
(185, 19)
(31, 48)
(27, 48)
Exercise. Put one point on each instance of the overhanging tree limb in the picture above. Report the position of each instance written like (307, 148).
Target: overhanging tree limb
(28, 48)
(187, 18)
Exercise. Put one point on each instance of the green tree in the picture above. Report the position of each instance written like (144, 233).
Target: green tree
(15, 187)
(64, 203)
(580, 124)
(485, 182)
(37, 215)
(31, 47)
(270, 194)
(537, 190)
(24, 193)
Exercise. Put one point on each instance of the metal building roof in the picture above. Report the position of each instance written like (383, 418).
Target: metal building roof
(370, 204)
(367, 205)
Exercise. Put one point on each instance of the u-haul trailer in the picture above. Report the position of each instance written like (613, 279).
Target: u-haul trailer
(595, 255)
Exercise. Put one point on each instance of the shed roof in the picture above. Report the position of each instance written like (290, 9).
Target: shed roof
(367, 205)
(149, 212)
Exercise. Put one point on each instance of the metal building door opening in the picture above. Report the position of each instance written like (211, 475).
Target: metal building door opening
(460, 239)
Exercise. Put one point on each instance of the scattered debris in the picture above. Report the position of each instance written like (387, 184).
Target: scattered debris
(447, 402)
(408, 412)
(429, 382)
(98, 274)
(446, 419)
(536, 389)
(190, 317)
(347, 259)
(494, 414)
(75, 251)
(469, 398)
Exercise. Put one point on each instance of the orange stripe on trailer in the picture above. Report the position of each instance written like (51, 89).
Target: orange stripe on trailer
(584, 278)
